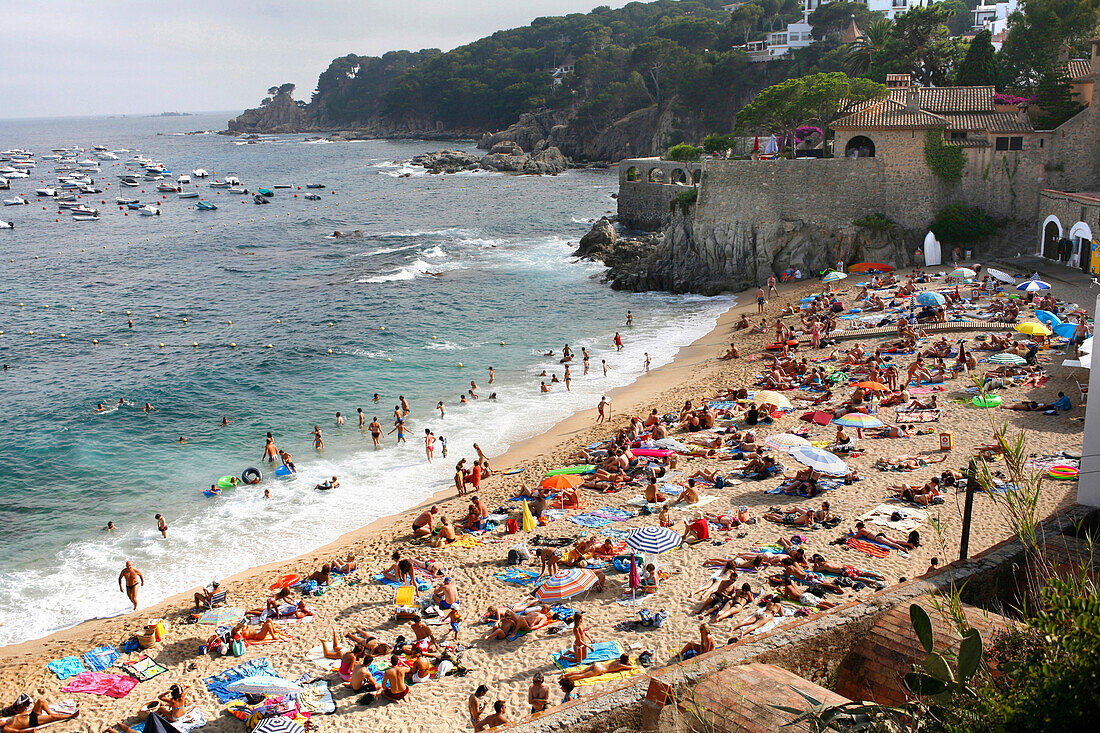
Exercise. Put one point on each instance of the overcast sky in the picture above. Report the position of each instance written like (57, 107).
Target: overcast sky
(94, 57)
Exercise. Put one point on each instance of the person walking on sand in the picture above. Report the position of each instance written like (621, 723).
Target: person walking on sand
(604, 410)
(772, 286)
(647, 362)
(375, 428)
(460, 477)
(618, 341)
(759, 301)
(162, 526)
(133, 578)
(429, 443)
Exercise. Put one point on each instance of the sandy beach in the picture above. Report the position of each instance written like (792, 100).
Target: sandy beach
(507, 667)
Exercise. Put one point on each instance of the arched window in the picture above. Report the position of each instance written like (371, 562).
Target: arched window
(656, 175)
(859, 146)
(632, 173)
(678, 177)
(1052, 232)
(696, 176)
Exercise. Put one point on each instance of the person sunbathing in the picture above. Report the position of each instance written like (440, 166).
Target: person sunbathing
(924, 498)
(272, 606)
(513, 623)
(348, 565)
(759, 618)
(690, 495)
(695, 648)
(28, 715)
(204, 598)
(930, 404)
(173, 702)
(806, 598)
(570, 498)
(730, 521)
(896, 431)
(1026, 406)
(267, 632)
(723, 573)
(860, 532)
(731, 353)
(821, 565)
(759, 465)
(322, 576)
(446, 532)
(622, 664)
(741, 598)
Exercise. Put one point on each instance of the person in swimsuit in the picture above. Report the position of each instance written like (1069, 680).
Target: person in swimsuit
(596, 669)
(446, 595)
(173, 702)
(582, 642)
(270, 451)
(446, 533)
(429, 443)
(318, 443)
(133, 578)
(538, 694)
(28, 715)
(362, 417)
(494, 719)
(400, 430)
(405, 411)
(375, 429)
(476, 704)
(162, 526)
(442, 410)
(422, 525)
(393, 682)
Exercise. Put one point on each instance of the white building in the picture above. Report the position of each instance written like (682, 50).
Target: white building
(992, 16)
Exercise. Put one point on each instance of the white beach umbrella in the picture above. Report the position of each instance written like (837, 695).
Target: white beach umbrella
(1002, 276)
(264, 684)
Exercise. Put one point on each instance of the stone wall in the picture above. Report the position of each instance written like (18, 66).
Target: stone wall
(645, 204)
(1067, 211)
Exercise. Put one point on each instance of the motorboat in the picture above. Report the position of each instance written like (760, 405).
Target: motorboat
(17, 201)
(188, 194)
(149, 210)
(219, 184)
(65, 197)
(85, 217)
(122, 202)
(237, 189)
(232, 180)
(265, 192)
(183, 179)
(104, 155)
(136, 206)
(72, 204)
(260, 199)
(90, 189)
(282, 185)
(129, 181)
(85, 210)
(47, 192)
(6, 224)
(315, 185)
(99, 148)
(200, 173)
(4, 184)
(16, 174)
(205, 206)
(89, 163)
(312, 197)
(166, 187)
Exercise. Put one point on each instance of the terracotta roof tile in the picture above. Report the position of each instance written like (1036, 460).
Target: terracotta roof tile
(888, 114)
(1078, 68)
(950, 99)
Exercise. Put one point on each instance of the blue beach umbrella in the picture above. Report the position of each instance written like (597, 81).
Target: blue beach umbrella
(1031, 286)
(1047, 318)
(1065, 330)
(930, 297)
(653, 540)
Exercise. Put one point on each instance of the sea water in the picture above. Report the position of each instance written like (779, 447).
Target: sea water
(444, 269)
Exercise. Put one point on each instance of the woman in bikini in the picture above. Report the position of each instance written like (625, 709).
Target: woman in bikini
(173, 703)
(582, 642)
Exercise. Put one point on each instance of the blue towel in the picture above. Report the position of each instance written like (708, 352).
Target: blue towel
(564, 613)
(421, 584)
(603, 651)
(101, 658)
(609, 512)
(218, 683)
(517, 576)
(619, 534)
(66, 667)
(587, 520)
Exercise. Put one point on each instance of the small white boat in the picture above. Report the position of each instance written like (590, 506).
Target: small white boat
(72, 204)
(16, 174)
(99, 148)
(232, 179)
(47, 192)
(90, 189)
(166, 188)
(17, 201)
(200, 173)
(89, 163)
(85, 217)
(188, 194)
(122, 202)
(106, 156)
(219, 184)
(130, 181)
(312, 197)
(4, 184)
(149, 210)
(6, 224)
(237, 189)
(183, 179)
(85, 210)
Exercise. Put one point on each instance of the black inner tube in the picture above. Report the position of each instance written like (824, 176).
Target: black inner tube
(252, 476)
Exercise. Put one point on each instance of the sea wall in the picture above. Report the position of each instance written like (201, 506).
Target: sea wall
(647, 188)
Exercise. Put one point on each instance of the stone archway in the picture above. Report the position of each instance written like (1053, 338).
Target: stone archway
(678, 177)
(656, 175)
(860, 146)
(696, 176)
(1081, 236)
(632, 174)
(1051, 233)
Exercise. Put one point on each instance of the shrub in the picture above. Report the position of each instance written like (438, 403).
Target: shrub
(946, 161)
(962, 224)
(875, 222)
(719, 145)
(685, 200)
(683, 153)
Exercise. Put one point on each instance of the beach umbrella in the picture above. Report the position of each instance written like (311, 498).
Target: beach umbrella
(820, 460)
(264, 684)
(562, 481)
(156, 724)
(566, 584)
(1085, 362)
(653, 540)
(633, 580)
(528, 524)
(1065, 330)
(817, 417)
(771, 397)
(1006, 358)
(225, 616)
(278, 724)
(1002, 276)
(930, 297)
(874, 386)
(1047, 318)
(1033, 329)
(870, 267)
(858, 420)
(964, 273)
(1086, 346)
(772, 147)
(785, 441)
(833, 276)
(1031, 286)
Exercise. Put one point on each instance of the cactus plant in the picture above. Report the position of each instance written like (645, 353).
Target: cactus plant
(938, 681)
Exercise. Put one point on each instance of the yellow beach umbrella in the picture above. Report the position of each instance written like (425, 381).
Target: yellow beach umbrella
(771, 397)
(1032, 328)
(529, 523)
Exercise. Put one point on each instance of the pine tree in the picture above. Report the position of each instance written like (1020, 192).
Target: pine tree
(979, 67)
(1054, 98)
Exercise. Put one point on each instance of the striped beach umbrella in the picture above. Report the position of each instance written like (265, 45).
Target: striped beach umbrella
(858, 420)
(771, 397)
(1032, 286)
(1002, 276)
(1006, 358)
(833, 276)
(873, 386)
(785, 441)
(278, 724)
(1033, 329)
(820, 460)
(964, 273)
(225, 616)
(566, 584)
(653, 540)
(930, 297)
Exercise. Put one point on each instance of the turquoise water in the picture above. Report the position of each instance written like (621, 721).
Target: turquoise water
(499, 248)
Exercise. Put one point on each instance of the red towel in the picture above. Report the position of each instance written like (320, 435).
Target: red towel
(98, 683)
(868, 548)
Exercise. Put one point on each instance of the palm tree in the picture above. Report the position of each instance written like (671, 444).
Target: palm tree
(862, 50)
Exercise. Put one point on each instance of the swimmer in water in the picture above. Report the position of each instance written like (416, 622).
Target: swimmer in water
(377, 397)
(605, 367)
(462, 399)
(443, 445)
(121, 401)
(225, 421)
(629, 318)
(647, 361)
(473, 389)
(100, 407)
(162, 526)
(568, 378)
(110, 526)
(545, 387)
(182, 439)
(288, 461)
(492, 396)
(362, 417)
(584, 353)
(405, 411)
(339, 419)
(271, 453)
(442, 410)
(376, 432)
(318, 443)
(400, 430)
(149, 408)
(492, 375)
(267, 493)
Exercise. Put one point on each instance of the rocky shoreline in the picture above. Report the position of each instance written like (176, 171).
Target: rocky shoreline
(504, 157)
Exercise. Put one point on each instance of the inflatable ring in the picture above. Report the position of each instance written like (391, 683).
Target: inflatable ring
(285, 581)
(252, 475)
(992, 400)
(778, 347)
(228, 482)
(1063, 473)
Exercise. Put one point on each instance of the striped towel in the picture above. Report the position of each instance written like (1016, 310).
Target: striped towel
(868, 548)
(101, 658)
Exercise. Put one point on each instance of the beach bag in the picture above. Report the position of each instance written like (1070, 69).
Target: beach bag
(513, 525)
(522, 550)
(236, 647)
(513, 557)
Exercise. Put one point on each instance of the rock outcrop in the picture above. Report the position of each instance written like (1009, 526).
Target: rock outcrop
(277, 115)
(505, 157)
(447, 161)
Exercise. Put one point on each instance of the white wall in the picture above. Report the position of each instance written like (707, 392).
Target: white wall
(1088, 488)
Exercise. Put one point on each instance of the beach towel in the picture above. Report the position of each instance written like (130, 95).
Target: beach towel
(317, 656)
(587, 520)
(99, 683)
(317, 698)
(918, 416)
(601, 652)
(615, 515)
(881, 515)
(66, 667)
(563, 613)
(608, 677)
(421, 584)
(868, 548)
(925, 390)
(217, 683)
(101, 658)
(142, 668)
(613, 533)
(517, 576)
(194, 718)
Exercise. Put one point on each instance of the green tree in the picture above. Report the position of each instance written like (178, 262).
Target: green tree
(1038, 32)
(979, 67)
(817, 99)
(834, 17)
(683, 153)
(923, 46)
(1054, 98)
(863, 51)
(743, 20)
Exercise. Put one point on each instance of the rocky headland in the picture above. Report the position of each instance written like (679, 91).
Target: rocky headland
(504, 157)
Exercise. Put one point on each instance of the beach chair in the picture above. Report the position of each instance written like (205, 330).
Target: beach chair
(404, 601)
(1083, 389)
(218, 599)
